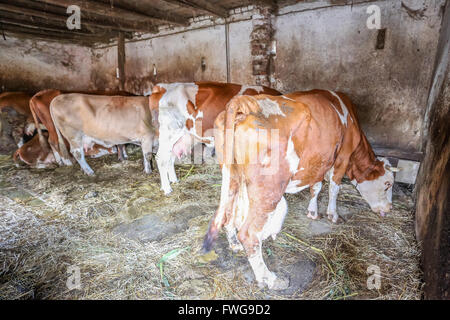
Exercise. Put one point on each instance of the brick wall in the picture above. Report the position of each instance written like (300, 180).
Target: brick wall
(260, 41)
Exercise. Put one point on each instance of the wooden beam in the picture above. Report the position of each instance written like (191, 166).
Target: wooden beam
(115, 24)
(397, 153)
(121, 60)
(270, 3)
(180, 3)
(42, 27)
(47, 38)
(41, 22)
(56, 36)
(204, 5)
(103, 9)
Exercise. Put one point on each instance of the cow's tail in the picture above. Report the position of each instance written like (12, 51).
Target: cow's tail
(62, 146)
(218, 220)
(42, 141)
(16, 155)
(211, 235)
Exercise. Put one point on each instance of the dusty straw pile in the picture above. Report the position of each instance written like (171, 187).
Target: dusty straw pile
(129, 241)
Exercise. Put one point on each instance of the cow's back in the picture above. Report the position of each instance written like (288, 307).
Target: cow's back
(104, 117)
(212, 98)
(18, 100)
(307, 120)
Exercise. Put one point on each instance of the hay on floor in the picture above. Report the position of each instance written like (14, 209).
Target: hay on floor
(52, 221)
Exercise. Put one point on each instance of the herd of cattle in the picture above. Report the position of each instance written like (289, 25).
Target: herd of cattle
(266, 143)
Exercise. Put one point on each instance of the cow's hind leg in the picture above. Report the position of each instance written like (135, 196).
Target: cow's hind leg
(233, 241)
(312, 207)
(146, 145)
(57, 156)
(252, 239)
(275, 220)
(78, 153)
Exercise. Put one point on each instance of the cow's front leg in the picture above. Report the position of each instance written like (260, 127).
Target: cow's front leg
(332, 198)
(122, 152)
(312, 207)
(78, 153)
(146, 146)
(162, 163)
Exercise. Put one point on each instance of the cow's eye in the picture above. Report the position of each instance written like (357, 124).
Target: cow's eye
(388, 185)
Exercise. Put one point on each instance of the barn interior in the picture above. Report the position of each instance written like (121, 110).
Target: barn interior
(130, 241)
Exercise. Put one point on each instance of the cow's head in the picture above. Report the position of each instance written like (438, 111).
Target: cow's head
(378, 191)
(32, 154)
(29, 127)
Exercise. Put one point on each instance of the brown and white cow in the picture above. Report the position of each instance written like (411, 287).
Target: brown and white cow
(40, 110)
(271, 145)
(20, 102)
(184, 114)
(85, 120)
(33, 155)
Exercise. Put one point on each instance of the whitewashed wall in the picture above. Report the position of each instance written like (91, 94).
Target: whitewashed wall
(32, 65)
(332, 48)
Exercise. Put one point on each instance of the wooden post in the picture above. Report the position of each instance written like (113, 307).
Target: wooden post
(121, 60)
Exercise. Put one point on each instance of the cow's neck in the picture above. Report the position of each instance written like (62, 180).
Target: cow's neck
(9, 102)
(363, 164)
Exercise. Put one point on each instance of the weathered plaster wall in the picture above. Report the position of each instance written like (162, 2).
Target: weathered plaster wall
(33, 65)
(332, 48)
(240, 52)
(177, 54)
(176, 57)
(320, 44)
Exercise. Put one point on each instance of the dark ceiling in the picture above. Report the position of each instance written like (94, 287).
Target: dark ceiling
(103, 20)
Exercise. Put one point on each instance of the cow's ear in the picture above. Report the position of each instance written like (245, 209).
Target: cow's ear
(392, 169)
(156, 89)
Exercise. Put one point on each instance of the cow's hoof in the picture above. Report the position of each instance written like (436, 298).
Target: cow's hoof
(67, 162)
(167, 192)
(237, 247)
(333, 217)
(312, 215)
(280, 283)
(274, 283)
(89, 172)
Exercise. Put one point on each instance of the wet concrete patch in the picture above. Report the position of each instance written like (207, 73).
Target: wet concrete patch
(318, 227)
(300, 275)
(155, 227)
